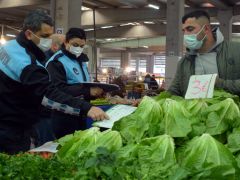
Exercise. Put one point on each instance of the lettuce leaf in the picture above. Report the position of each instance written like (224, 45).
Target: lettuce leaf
(204, 152)
(222, 117)
(176, 121)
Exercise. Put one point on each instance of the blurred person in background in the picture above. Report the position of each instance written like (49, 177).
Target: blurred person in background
(136, 91)
(121, 81)
(57, 41)
(43, 129)
(153, 83)
(163, 85)
(147, 80)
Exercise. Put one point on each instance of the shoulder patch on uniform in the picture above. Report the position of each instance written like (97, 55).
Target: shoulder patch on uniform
(4, 57)
(75, 71)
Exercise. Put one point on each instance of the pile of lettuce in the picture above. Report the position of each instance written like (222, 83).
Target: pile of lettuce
(205, 133)
(167, 137)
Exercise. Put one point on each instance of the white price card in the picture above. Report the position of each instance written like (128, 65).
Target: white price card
(115, 113)
(201, 86)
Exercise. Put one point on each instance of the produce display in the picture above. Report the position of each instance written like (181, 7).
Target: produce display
(100, 101)
(167, 137)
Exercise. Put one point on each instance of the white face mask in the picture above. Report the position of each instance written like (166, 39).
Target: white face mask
(192, 42)
(44, 43)
(77, 51)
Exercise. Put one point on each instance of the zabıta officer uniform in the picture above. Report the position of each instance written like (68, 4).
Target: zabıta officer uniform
(24, 85)
(67, 73)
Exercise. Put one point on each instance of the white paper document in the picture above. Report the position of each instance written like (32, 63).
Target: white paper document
(201, 86)
(115, 113)
(47, 147)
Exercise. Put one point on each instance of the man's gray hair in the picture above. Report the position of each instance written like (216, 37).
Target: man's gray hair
(35, 19)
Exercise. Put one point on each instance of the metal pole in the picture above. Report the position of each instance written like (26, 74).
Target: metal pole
(53, 11)
(95, 43)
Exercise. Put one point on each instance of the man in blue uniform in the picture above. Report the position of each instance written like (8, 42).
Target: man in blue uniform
(25, 85)
(68, 70)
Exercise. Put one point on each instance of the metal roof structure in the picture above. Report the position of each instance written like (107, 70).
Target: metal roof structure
(126, 19)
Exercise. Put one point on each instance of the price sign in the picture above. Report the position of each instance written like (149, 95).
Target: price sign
(201, 86)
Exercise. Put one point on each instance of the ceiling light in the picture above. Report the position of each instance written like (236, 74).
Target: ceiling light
(214, 23)
(148, 22)
(90, 29)
(83, 8)
(104, 70)
(127, 24)
(11, 35)
(236, 34)
(128, 69)
(105, 27)
(2, 40)
(236, 23)
(145, 46)
(153, 6)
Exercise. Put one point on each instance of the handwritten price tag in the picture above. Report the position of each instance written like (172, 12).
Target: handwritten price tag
(201, 86)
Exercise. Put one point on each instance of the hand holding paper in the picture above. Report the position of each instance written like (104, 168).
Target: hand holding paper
(115, 113)
(97, 114)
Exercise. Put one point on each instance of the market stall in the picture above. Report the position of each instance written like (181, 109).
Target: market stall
(166, 137)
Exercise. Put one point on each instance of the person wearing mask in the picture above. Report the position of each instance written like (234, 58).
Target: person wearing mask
(68, 71)
(207, 53)
(43, 129)
(57, 41)
(25, 85)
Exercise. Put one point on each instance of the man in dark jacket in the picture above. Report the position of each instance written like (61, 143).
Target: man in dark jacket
(68, 72)
(207, 53)
(25, 85)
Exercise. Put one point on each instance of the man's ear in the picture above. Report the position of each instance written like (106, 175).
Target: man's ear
(28, 34)
(208, 28)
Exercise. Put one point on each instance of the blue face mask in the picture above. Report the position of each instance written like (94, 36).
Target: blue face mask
(191, 41)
